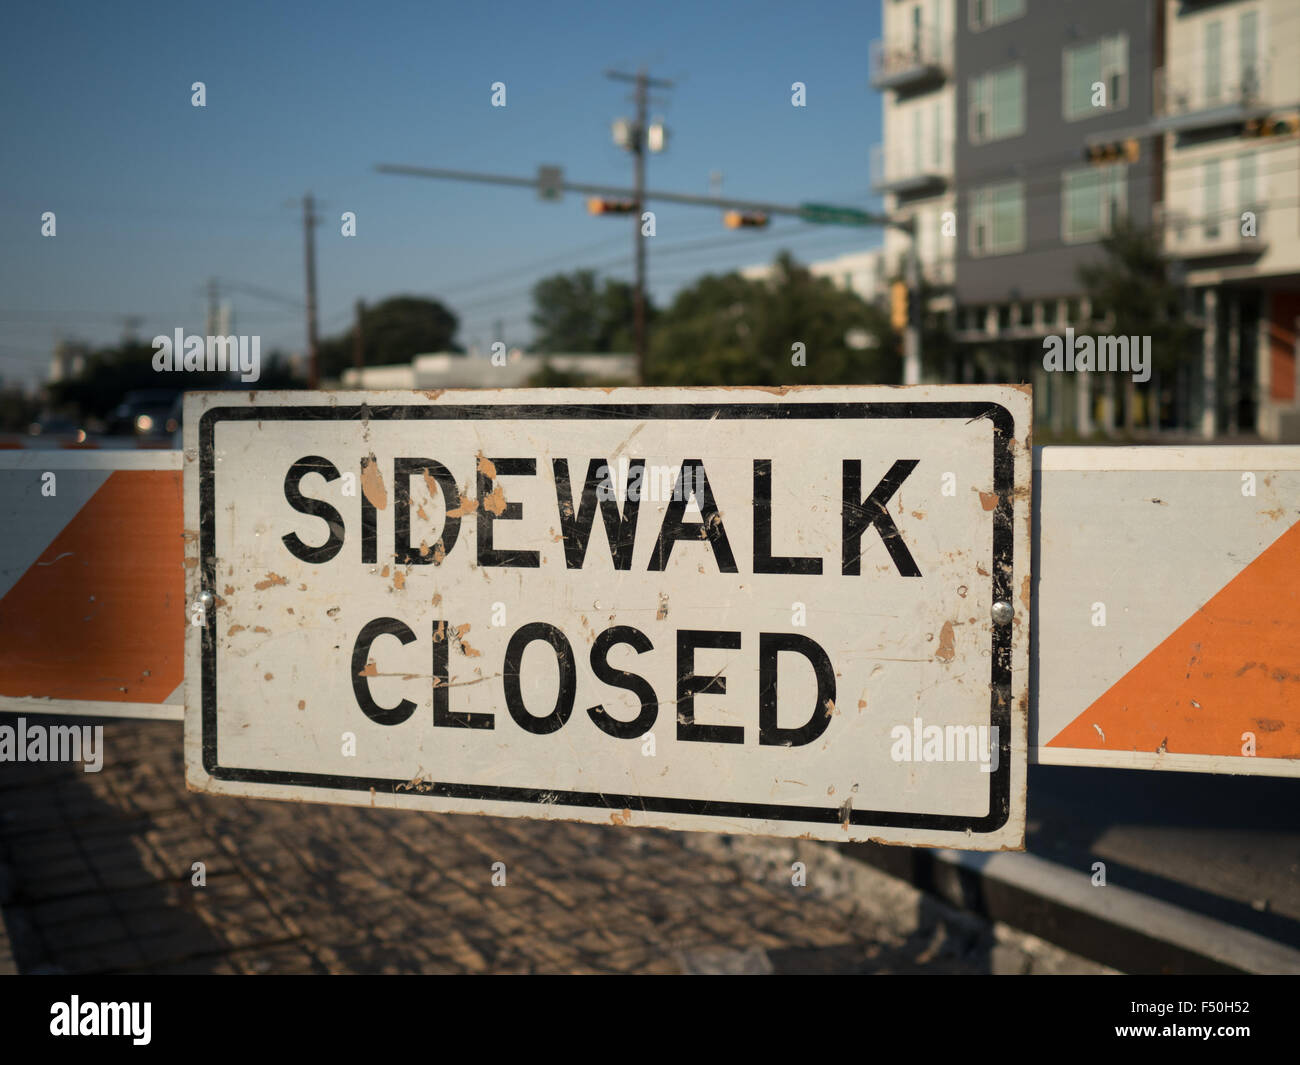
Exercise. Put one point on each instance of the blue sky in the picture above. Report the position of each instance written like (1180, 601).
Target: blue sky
(154, 196)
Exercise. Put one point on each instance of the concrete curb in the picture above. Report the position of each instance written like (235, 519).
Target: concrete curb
(1112, 925)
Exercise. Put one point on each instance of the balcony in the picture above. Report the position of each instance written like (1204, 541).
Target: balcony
(937, 272)
(913, 62)
(1219, 235)
(1184, 103)
(896, 173)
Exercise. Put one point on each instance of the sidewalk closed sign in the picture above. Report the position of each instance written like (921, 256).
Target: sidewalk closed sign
(795, 612)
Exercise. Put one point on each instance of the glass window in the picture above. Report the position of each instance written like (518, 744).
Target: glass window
(1104, 61)
(1008, 102)
(1246, 191)
(1213, 63)
(997, 105)
(986, 13)
(978, 112)
(1082, 68)
(1008, 216)
(1211, 199)
(997, 219)
(918, 142)
(936, 133)
(1092, 200)
(1248, 41)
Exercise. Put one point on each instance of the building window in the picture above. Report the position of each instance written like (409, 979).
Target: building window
(1213, 63)
(986, 13)
(1247, 193)
(997, 105)
(937, 135)
(997, 219)
(1210, 185)
(1248, 43)
(1092, 199)
(1104, 61)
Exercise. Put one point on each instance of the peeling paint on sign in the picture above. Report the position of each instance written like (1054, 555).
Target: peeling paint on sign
(504, 624)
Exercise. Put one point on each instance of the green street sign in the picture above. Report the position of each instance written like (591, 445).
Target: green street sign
(827, 214)
(550, 182)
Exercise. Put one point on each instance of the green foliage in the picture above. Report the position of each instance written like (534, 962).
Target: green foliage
(392, 332)
(1133, 284)
(17, 409)
(549, 376)
(730, 331)
(572, 314)
(112, 372)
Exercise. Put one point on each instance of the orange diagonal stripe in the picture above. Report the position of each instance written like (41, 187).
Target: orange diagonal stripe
(101, 613)
(1233, 667)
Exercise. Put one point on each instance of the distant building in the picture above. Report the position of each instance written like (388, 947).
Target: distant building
(1227, 109)
(862, 272)
(444, 370)
(1039, 124)
(913, 67)
(1037, 84)
(67, 362)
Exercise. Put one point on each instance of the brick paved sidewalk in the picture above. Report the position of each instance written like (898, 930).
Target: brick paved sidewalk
(96, 868)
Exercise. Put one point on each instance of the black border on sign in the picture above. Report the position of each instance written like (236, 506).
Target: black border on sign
(1001, 570)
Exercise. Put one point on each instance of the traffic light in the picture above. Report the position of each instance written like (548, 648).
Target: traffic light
(1278, 126)
(898, 305)
(744, 219)
(597, 205)
(1126, 151)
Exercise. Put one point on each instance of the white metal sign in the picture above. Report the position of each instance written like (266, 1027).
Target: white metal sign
(1167, 609)
(794, 612)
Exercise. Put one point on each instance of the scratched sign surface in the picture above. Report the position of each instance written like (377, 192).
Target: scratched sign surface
(746, 610)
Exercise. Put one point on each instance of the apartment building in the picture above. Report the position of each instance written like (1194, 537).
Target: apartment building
(912, 66)
(1227, 107)
(1038, 84)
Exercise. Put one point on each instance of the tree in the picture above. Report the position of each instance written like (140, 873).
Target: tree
(392, 332)
(572, 314)
(1132, 287)
(792, 329)
(110, 373)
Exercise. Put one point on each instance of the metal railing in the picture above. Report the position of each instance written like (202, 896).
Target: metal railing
(1223, 232)
(1181, 92)
(906, 58)
(891, 168)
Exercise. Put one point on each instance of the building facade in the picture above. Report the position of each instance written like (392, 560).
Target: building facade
(1227, 108)
(913, 67)
(1038, 84)
(1017, 133)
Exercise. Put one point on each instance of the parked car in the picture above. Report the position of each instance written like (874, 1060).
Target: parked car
(144, 413)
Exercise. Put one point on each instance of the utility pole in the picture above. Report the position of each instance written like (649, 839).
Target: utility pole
(551, 184)
(214, 296)
(912, 334)
(309, 240)
(636, 144)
